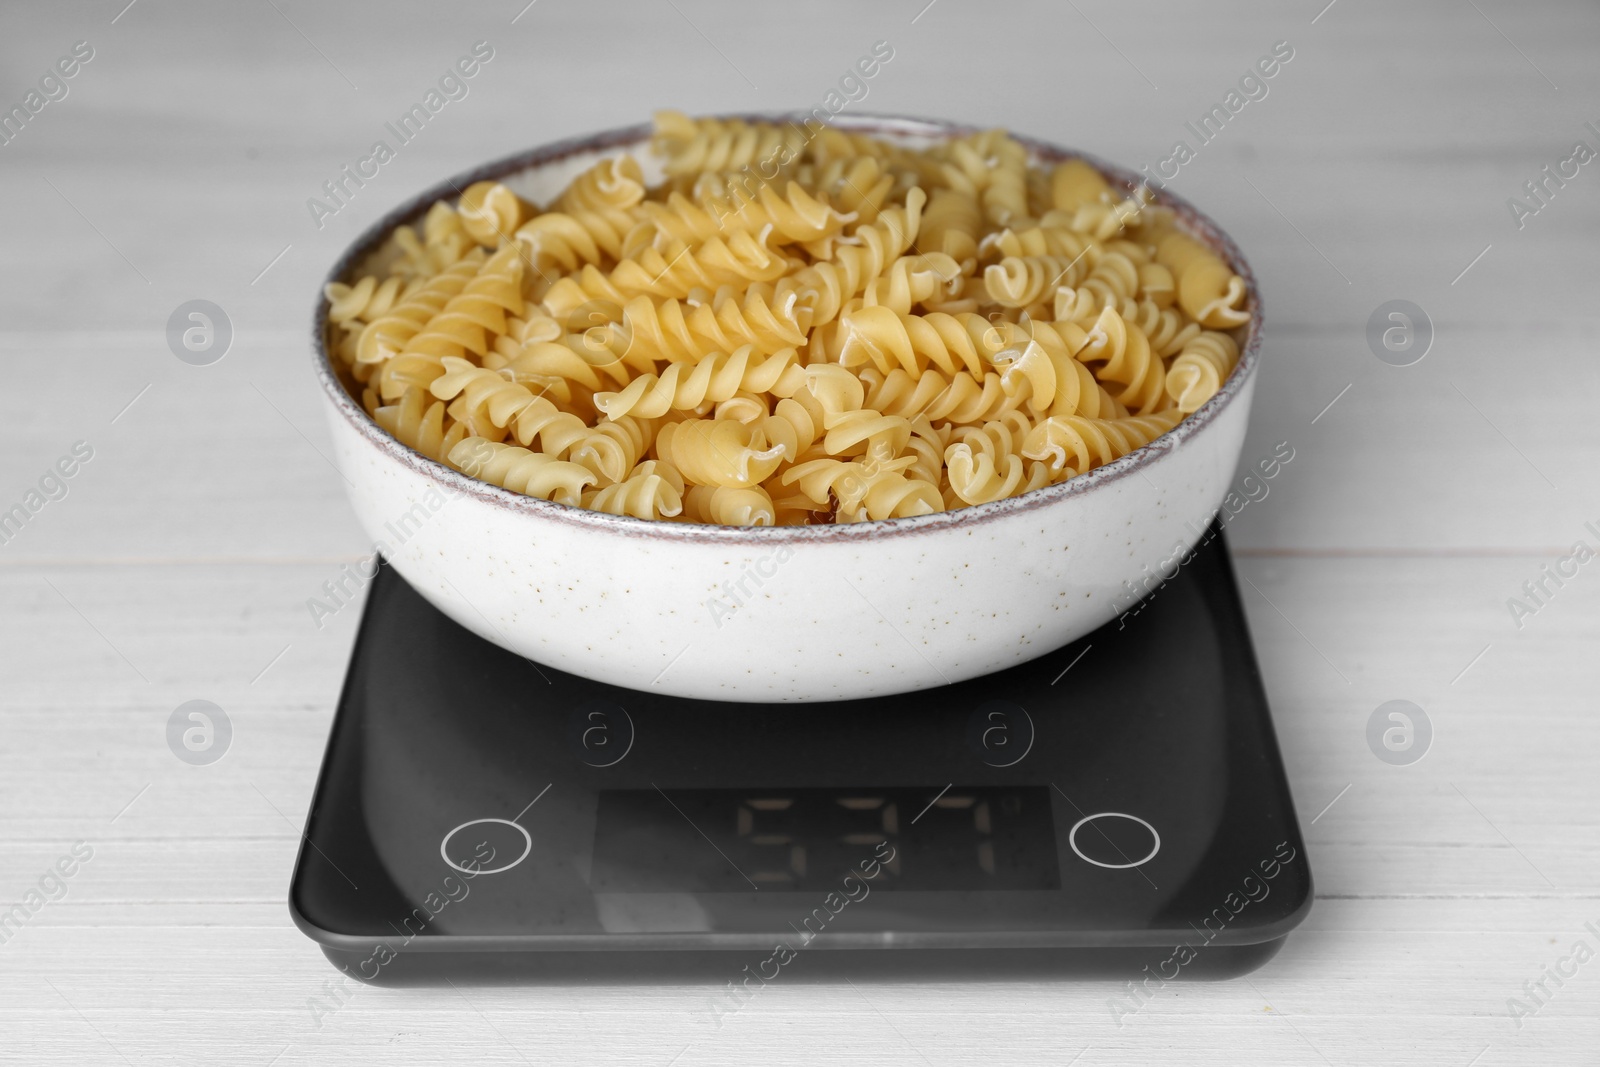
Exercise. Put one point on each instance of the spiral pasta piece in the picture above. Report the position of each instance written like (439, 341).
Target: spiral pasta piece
(912, 280)
(1005, 196)
(1074, 183)
(824, 288)
(716, 377)
(541, 361)
(751, 506)
(368, 299)
(985, 462)
(465, 324)
(490, 401)
(613, 184)
(1018, 281)
(893, 495)
(444, 242)
(1200, 369)
(1157, 285)
(613, 447)
(1128, 362)
(560, 241)
(1210, 292)
(473, 316)
(677, 272)
(964, 165)
(652, 490)
(864, 430)
(1113, 279)
(719, 452)
(677, 331)
(860, 186)
(1105, 220)
(1176, 251)
(958, 398)
(794, 424)
(952, 224)
(1168, 329)
(691, 145)
(490, 213)
(389, 333)
(522, 471)
(417, 423)
(795, 215)
(912, 342)
(1048, 237)
(911, 167)
(1076, 444)
(866, 489)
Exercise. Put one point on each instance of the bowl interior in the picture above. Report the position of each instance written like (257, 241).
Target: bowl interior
(540, 174)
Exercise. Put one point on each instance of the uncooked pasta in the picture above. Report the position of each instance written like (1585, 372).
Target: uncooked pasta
(795, 326)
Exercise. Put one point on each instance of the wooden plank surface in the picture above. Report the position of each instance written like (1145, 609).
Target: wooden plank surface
(1378, 568)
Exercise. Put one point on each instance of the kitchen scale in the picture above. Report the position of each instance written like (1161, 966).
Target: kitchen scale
(1117, 807)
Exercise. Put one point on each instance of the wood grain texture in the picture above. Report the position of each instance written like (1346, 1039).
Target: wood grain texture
(1377, 568)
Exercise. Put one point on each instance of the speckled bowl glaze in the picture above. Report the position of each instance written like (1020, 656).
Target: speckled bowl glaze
(785, 613)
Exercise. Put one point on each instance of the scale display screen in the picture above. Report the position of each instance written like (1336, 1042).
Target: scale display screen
(935, 838)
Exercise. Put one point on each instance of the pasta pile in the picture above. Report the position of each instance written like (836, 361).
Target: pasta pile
(799, 325)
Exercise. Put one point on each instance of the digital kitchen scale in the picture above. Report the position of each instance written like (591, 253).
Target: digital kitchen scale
(1116, 807)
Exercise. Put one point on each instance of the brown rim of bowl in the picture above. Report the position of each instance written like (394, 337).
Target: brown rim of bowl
(411, 210)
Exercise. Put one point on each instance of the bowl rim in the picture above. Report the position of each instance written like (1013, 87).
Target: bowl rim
(410, 210)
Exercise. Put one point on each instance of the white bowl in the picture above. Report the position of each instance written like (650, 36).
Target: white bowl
(784, 613)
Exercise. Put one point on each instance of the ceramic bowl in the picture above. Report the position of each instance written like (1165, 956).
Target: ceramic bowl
(784, 613)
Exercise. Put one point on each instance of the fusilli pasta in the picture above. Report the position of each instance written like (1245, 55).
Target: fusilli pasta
(799, 325)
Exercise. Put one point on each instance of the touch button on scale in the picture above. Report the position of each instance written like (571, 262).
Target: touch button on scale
(494, 845)
(1115, 840)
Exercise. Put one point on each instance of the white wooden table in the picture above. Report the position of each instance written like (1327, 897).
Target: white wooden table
(178, 564)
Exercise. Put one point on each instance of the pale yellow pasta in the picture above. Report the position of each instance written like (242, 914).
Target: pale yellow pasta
(1018, 281)
(826, 287)
(417, 421)
(557, 241)
(880, 336)
(465, 325)
(986, 462)
(715, 378)
(893, 495)
(444, 241)
(1129, 362)
(675, 271)
(952, 224)
(859, 186)
(718, 452)
(522, 471)
(490, 213)
(1212, 294)
(385, 336)
(651, 491)
(1077, 444)
(910, 280)
(366, 300)
(679, 331)
(750, 506)
(959, 397)
(490, 405)
(1200, 369)
(799, 325)
(692, 145)
(1075, 183)
(794, 215)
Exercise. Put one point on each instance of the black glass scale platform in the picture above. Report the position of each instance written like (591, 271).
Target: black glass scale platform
(1117, 807)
